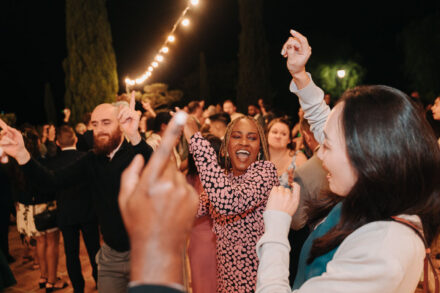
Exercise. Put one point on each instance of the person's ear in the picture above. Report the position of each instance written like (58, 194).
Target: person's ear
(306, 137)
(163, 126)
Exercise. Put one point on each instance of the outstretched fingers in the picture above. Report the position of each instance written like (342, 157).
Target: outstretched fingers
(129, 180)
(304, 46)
(132, 101)
(162, 155)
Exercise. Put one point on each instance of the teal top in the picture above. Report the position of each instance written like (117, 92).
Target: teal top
(319, 264)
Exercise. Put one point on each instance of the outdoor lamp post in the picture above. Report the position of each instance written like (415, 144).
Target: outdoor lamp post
(341, 73)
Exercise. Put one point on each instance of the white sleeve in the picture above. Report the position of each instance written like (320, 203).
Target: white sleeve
(375, 258)
(273, 252)
(316, 111)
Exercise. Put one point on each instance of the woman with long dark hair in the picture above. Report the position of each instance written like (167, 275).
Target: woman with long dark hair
(383, 163)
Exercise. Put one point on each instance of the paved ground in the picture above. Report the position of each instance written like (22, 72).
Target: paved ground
(27, 278)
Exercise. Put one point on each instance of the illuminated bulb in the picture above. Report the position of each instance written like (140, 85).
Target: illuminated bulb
(185, 22)
(155, 64)
(148, 74)
(138, 80)
(159, 58)
(341, 73)
(194, 2)
(165, 50)
(127, 80)
(171, 38)
(150, 68)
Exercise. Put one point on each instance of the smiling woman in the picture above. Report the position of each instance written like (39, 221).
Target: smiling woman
(237, 196)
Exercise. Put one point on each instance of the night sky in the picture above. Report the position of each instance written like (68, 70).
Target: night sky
(33, 42)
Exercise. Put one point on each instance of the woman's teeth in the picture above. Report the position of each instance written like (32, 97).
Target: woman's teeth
(242, 155)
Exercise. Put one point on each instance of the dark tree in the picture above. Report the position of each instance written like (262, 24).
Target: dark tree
(49, 104)
(204, 83)
(90, 66)
(253, 70)
(421, 46)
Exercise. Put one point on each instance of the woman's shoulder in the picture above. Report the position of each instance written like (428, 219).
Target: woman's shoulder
(386, 239)
(263, 167)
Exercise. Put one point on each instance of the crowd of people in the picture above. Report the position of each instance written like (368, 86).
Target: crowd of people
(207, 199)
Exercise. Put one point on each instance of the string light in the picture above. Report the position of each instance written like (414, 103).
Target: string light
(159, 58)
(164, 48)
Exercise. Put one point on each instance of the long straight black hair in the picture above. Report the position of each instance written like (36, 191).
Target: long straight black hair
(397, 159)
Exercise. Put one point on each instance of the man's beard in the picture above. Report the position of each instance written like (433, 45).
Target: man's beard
(105, 148)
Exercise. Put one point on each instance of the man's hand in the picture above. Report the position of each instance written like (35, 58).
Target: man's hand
(158, 208)
(129, 121)
(297, 51)
(66, 113)
(147, 107)
(11, 141)
(51, 133)
(284, 200)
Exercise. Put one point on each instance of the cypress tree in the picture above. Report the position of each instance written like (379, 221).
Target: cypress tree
(253, 69)
(204, 83)
(90, 66)
(49, 104)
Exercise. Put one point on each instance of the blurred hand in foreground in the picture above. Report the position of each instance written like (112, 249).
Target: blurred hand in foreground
(158, 208)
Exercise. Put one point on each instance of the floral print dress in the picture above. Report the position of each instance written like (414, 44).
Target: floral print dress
(236, 205)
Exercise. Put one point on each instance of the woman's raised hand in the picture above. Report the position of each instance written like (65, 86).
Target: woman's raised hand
(283, 199)
(191, 126)
(297, 51)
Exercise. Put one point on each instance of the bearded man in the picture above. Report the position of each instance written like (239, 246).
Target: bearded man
(102, 167)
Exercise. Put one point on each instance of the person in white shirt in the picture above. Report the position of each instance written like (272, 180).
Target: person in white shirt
(382, 161)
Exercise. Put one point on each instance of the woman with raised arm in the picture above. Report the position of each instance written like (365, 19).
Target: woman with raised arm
(383, 163)
(237, 195)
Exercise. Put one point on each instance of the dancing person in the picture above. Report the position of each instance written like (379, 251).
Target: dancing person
(238, 195)
(285, 159)
(218, 124)
(31, 201)
(383, 163)
(101, 168)
(436, 112)
(311, 176)
(202, 242)
(75, 212)
(230, 108)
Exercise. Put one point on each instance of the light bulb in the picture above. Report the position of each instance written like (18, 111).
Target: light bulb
(185, 22)
(171, 38)
(341, 73)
